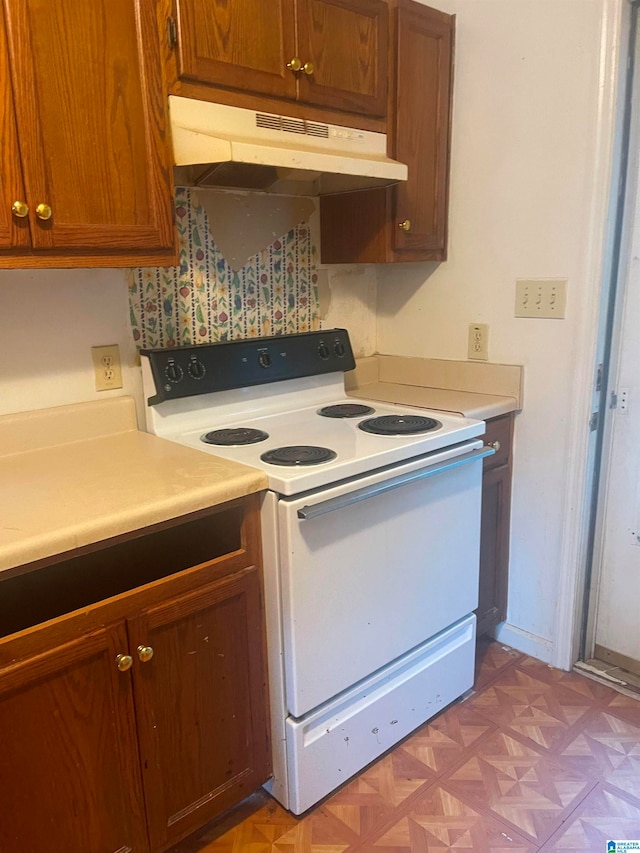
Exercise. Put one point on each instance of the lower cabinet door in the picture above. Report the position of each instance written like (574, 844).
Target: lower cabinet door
(494, 548)
(200, 694)
(69, 772)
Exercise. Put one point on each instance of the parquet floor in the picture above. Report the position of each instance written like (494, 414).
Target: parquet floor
(535, 760)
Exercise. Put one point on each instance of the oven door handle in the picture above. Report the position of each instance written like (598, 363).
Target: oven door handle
(306, 513)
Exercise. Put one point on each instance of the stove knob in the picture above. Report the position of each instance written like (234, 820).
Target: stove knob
(339, 349)
(196, 369)
(323, 352)
(264, 359)
(173, 372)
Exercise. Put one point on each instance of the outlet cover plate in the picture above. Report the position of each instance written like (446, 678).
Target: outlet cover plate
(545, 299)
(478, 345)
(106, 364)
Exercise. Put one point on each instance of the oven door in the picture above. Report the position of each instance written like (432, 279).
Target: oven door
(373, 567)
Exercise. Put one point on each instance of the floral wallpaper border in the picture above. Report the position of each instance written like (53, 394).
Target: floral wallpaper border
(204, 300)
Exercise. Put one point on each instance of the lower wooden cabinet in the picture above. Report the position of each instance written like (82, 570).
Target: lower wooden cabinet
(494, 536)
(133, 720)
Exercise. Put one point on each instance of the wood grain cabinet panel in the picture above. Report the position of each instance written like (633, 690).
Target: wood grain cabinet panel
(346, 41)
(14, 229)
(407, 222)
(242, 45)
(91, 128)
(201, 704)
(69, 772)
(105, 754)
(246, 47)
(495, 521)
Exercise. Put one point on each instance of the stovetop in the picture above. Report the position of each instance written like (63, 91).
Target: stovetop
(287, 410)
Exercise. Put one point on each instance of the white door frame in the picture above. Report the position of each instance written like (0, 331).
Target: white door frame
(597, 266)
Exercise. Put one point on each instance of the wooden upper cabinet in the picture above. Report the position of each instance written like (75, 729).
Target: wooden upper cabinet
(92, 128)
(346, 43)
(69, 771)
(14, 228)
(201, 704)
(422, 119)
(241, 45)
(407, 222)
(329, 54)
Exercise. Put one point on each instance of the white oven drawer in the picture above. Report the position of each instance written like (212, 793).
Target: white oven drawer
(336, 741)
(369, 573)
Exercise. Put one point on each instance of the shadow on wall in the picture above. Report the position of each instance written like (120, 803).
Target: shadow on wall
(408, 279)
(204, 300)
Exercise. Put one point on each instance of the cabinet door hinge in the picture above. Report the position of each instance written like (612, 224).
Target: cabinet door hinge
(594, 421)
(613, 402)
(599, 373)
(172, 33)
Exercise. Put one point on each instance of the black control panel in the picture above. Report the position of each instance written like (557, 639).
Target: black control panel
(204, 368)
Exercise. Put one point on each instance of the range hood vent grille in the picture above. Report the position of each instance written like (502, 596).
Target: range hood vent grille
(292, 125)
(241, 149)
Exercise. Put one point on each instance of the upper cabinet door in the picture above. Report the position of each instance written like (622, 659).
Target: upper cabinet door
(240, 44)
(92, 125)
(343, 45)
(423, 117)
(14, 222)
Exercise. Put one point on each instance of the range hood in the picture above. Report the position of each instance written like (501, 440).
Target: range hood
(220, 146)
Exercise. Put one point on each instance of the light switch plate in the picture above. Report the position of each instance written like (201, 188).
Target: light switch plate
(542, 298)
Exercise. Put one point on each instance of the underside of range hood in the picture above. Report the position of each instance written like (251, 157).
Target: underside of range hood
(227, 147)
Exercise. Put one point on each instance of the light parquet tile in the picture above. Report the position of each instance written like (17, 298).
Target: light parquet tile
(607, 747)
(602, 816)
(492, 658)
(442, 742)
(440, 822)
(537, 759)
(368, 800)
(536, 709)
(625, 706)
(518, 784)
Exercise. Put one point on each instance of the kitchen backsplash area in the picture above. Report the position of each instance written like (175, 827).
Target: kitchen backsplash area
(204, 300)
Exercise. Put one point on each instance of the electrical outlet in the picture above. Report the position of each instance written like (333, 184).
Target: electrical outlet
(542, 298)
(106, 363)
(478, 348)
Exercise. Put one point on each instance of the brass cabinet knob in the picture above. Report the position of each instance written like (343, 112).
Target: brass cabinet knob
(494, 444)
(124, 662)
(309, 69)
(145, 653)
(295, 64)
(20, 209)
(43, 211)
(405, 225)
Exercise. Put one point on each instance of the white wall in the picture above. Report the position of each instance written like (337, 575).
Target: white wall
(523, 161)
(49, 320)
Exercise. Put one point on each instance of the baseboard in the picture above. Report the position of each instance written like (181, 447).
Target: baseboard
(617, 659)
(523, 641)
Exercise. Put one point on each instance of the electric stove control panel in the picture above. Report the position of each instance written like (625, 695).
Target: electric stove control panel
(205, 368)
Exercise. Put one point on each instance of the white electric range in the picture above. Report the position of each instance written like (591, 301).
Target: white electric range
(370, 529)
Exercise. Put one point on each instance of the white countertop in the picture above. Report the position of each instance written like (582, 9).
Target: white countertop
(91, 475)
(472, 389)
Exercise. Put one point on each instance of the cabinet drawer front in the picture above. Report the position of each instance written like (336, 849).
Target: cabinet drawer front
(499, 430)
